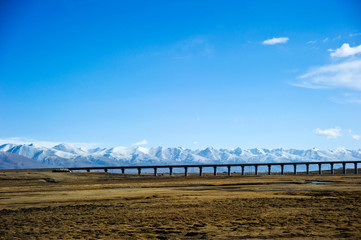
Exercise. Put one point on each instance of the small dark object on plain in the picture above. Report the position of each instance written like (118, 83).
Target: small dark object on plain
(61, 170)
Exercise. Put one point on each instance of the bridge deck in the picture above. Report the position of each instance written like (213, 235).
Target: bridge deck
(228, 166)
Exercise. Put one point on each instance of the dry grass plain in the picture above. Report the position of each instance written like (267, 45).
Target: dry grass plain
(46, 205)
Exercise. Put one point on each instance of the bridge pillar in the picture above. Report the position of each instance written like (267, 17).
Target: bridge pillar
(171, 171)
(256, 169)
(139, 171)
(155, 171)
(123, 170)
(294, 169)
(88, 170)
(200, 171)
(215, 171)
(344, 168)
(319, 168)
(307, 168)
(186, 171)
(229, 170)
(356, 170)
(332, 171)
(242, 170)
(282, 169)
(105, 169)
(269, 169)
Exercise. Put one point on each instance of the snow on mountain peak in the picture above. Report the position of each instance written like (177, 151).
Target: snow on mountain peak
(68, 155)
(65, 148)
(120, 149)
(6, 147)
(142, 150)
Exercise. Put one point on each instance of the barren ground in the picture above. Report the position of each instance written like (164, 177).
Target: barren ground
(46, 205)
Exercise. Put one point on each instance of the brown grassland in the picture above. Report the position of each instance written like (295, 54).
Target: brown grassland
(47, 205)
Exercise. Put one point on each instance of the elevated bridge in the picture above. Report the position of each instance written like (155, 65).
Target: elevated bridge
(229, 167)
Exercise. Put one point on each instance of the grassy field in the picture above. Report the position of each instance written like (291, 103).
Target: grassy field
(46, 205)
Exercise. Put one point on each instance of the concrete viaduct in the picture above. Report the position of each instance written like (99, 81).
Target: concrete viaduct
(228, 166)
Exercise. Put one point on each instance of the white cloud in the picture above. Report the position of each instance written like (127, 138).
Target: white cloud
(330, 133)
(345, 51)
(325, 40)
(354, 136)
(274, 41)
(143, 142)
(341, 75)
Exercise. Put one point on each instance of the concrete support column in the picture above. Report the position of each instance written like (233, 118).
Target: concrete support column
(88, 170)
(186, 171)
(307, 168)
(200, 171)
(269, 169)
(105, 169)
(229, 170)
(332, 171)
(294, 169)
(255, 169)
(139, 171)
(171, 171)
(344, 168)
(319, 168)
(242, 170)
(155, 171)
(282, 169)
(356, 170)
(123, 170)
(215, 171)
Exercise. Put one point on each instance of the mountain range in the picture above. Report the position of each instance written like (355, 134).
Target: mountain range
(13, 156)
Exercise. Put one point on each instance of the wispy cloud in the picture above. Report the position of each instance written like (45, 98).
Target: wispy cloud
(337, 38)
(140, 143)
(330, 133)
(238, 119)
(341, 75)
(185, 49)
(39, 143)
(273, 41)
(354, 136)
(347, 98)
(354, 34)
(312, 42)
(345, 51)
(190, 47)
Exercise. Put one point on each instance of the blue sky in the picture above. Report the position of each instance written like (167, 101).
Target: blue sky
(182, 73)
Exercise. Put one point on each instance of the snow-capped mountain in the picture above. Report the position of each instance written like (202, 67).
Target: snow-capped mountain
(65, 155)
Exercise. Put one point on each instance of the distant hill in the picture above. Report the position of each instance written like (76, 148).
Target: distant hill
(14, 161)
